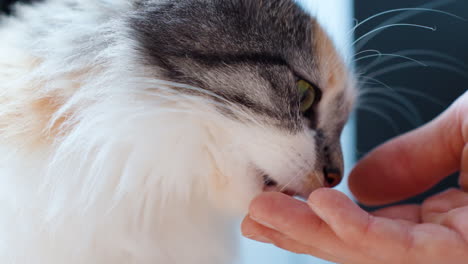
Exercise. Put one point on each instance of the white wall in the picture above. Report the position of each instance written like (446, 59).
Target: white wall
(336, 17)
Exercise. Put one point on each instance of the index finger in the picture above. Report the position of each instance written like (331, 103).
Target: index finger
(412, 163)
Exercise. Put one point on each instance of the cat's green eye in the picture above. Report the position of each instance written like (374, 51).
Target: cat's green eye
(307, 93)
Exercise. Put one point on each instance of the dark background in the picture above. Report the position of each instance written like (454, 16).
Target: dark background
(416, 89)
(420, 85)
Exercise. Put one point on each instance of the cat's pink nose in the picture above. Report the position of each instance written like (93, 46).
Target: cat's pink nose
(332, 177)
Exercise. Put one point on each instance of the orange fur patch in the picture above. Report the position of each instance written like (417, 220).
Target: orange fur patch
(330, 63)
(30, 122)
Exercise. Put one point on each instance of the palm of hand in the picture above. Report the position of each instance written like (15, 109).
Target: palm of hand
(332, 227)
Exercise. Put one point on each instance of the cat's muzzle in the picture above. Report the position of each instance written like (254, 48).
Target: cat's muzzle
(331, 178)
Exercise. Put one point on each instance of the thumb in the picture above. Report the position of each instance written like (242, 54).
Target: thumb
(414, 162)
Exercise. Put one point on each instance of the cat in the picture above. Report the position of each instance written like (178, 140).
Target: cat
(139, 131)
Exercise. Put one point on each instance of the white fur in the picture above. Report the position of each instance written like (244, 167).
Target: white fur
(139, 173)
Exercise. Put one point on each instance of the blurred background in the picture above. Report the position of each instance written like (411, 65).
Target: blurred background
(409, 75)
(400, 95)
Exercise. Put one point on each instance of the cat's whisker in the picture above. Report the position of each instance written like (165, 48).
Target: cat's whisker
(392, 93)
(403, 16)
(398, 10)
(299, 175)
(369, 80)
(400, 99)
(434, 54)
(366, 79)
(415, 118)
(310, 165)
(292, 179)
(404, 90)
(433, 64)
(380, 55)
(382, 28)
(381, 114)
(419, 95)
(366, 51)
(355, 22)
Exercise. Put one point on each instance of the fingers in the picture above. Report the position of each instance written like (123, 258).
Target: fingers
(296, 221)
(455, 219)
(449, 208)
(411, 163)
(288, 212)
(381, 239)
(409, 213)
(293, 218)
(334, 228)
(443, 203)
(258, 232)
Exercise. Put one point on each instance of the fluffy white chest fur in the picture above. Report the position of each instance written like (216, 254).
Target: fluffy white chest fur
(107, 158)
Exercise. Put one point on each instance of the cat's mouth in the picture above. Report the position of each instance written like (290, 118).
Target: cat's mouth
(330, 180)
(270, 185)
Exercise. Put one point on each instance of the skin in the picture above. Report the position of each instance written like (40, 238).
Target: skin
(331, 226)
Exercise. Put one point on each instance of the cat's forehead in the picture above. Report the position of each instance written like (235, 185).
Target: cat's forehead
(278, 28)
(268, 26)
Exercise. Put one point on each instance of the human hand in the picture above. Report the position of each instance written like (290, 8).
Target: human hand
(332, 227)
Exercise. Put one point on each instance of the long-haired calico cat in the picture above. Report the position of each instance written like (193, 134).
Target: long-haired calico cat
(134, 131)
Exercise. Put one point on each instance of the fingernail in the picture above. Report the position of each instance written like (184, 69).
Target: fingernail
(259, 238)
(263, 223)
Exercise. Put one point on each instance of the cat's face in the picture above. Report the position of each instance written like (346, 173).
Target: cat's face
(282, 92)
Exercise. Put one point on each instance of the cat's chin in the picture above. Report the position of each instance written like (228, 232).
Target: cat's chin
(270, 185)
(279, 190)
(287, 192)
